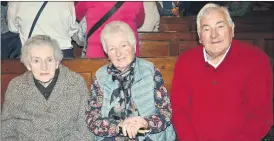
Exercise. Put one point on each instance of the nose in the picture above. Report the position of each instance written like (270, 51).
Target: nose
(44, 65)
(118, 52)
(214, 33)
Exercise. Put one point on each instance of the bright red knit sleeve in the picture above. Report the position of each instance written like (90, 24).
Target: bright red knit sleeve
(140, 15)
(181, 103)
(258, 101)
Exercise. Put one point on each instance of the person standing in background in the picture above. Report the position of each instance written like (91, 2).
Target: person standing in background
(152, 18)
(167, 8)
(57, 20)
(4, 23)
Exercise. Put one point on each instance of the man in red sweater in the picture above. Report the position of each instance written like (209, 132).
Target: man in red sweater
(222, 90)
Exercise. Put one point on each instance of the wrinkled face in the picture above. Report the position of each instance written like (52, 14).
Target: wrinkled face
(42, 63)
(120, 52)
(215, 33)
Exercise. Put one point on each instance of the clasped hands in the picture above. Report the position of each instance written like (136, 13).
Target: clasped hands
(131, 125)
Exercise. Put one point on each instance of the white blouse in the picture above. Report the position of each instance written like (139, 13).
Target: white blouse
(57, 20)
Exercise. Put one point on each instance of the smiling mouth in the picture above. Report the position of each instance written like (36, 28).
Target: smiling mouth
(216, 42)
(121, 59)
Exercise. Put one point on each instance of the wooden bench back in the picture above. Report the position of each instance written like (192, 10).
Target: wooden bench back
(85, 67)
(172, 44)
(192, 19)
(242, 24)
(240, 27)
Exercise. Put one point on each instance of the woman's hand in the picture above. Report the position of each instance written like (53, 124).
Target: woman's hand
(131, 125)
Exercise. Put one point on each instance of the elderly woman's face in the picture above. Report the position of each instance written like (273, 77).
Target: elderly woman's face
(120, 52)
(42, 63)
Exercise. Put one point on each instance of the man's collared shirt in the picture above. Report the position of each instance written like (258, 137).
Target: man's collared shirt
(209, 62)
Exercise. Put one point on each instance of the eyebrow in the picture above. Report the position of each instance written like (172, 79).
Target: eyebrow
(35, 57)
(123, 42)
(220, 22)
(40, 57)
(216, 24)
(204, 25)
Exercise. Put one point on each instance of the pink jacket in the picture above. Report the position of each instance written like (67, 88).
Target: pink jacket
(130, 12)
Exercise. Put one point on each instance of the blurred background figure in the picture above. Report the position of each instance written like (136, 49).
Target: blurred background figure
(152, 18)
(239, 8)
(168, 8)
(4, 23)
(57, 20)
(80, 36)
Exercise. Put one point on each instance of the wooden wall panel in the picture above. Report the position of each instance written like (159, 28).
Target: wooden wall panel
(186, 45)
(88, 78)
(5, 80)
(154, 48)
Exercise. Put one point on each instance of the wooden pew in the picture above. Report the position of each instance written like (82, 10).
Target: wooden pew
(172, 44)
(85, 67)
(242, 24)
(238, 27)
(192, 19)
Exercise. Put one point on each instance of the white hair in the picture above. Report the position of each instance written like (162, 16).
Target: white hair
(37, 41)
(114, 27)
(207, 9)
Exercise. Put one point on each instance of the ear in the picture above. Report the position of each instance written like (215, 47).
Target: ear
(232, 29)
(199, 38)
(57, 64)
(28, 67)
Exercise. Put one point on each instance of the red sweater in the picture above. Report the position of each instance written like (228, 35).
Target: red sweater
(230, 103)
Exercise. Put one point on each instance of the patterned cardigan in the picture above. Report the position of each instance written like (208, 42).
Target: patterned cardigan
(27, 115)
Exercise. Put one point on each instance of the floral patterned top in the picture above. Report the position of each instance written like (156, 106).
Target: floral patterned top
(106, 127)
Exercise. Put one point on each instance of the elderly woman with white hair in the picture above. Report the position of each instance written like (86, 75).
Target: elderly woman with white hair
(129, 99)
(47, 102)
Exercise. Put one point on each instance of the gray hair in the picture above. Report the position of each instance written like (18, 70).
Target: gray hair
(37, 41)
(114, 27)
(207, 9)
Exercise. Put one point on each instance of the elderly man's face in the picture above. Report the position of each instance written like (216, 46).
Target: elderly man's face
(215, 33)
(43, 63)
(119, 50)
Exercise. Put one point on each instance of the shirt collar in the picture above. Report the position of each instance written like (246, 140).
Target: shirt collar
(209, 62)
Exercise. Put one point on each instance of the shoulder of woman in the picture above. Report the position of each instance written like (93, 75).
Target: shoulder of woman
(144, 62)
(21, 79)
(69, 74)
